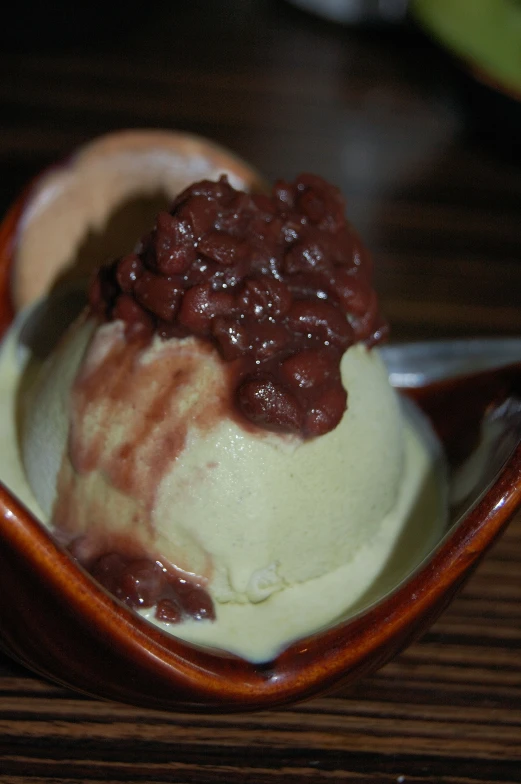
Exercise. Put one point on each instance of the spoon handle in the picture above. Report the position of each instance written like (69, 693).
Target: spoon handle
(422, 363)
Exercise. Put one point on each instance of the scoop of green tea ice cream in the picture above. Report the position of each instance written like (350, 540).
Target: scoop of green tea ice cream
(122, 441)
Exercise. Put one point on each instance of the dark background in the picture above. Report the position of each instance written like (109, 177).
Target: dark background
(381, 112)
(430, 167)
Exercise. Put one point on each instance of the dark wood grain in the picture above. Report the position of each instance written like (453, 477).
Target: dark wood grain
(381, 114)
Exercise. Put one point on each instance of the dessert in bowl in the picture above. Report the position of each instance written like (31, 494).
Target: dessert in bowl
(266, 411)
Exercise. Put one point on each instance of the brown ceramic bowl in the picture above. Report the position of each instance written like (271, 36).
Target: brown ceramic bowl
(59, 623)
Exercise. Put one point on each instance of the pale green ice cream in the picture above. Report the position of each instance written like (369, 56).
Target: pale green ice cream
(289, 534)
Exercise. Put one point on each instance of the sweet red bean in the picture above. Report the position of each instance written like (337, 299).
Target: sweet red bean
(284, 196)
(202, 271)
(235, 218)
(267, 340)
(332, 218)
(321, 320)
(266, 403)
(310, 368)
(159, 295)
(200, 213)
(220, 247)
(212, 190)
(309, 286)
(201, 305)
(168, 330)
(307, 256)
(174, 244)
(264, 203)
(128, 270)
(232, 336)
(292, 228)
(169, 611)
(139, 323)
(140, 583)
(195, 601)
(352, 292)
(312, 205)
(326, 411)
(264, 296)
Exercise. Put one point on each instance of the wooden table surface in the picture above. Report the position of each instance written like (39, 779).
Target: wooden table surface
(380, 114)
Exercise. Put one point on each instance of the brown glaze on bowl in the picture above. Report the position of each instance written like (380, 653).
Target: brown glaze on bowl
(59, 623)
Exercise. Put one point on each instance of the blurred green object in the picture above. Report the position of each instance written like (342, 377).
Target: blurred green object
(485, 33)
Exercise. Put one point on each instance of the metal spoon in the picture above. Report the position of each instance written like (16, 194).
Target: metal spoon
(419, 364)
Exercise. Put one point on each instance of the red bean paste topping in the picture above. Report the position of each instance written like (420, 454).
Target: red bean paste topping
(141, 582)
(281, 285)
